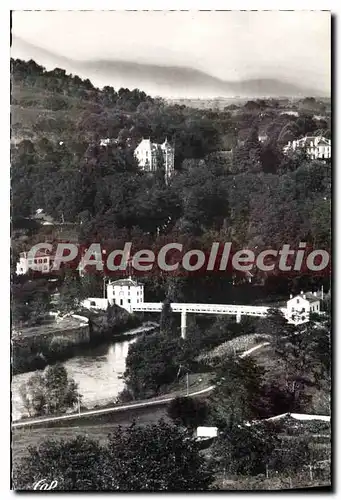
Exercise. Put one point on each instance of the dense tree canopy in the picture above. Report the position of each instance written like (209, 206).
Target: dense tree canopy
(157, 457)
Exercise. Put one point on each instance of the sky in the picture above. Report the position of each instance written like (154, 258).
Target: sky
(231, 45)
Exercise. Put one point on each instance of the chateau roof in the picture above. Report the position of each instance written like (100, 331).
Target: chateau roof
(309, 296)
(125, 282)
(148, 144)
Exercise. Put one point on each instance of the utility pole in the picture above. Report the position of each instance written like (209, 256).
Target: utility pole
(79, 403)
(187, 384)
(311, 472)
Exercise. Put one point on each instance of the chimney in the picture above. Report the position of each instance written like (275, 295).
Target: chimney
(301, 292)
(291, 295)
(315, 294)
(304, 296)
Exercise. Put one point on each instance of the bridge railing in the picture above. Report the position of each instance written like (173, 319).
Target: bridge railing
(148, 306)
(204, 308)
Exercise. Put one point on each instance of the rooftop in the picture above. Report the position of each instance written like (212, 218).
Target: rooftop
(125, 282)
(309, 296)
(148, 144)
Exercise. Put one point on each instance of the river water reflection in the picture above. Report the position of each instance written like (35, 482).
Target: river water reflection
(98, 372)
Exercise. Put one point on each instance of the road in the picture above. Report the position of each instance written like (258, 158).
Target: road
(117, 408)
(107, 410)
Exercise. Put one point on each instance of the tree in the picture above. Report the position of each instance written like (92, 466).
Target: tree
(76, 465)
(40, 307)
(237, 395)
(33, 395)
(304, 357)
(49, 392)
(30, 307)
(247, 157)
(152, 362)
(166, 320)
(275, 325)
(292, 454)
(158, 457)
(188, 412)
(71, 294)
(246, 449)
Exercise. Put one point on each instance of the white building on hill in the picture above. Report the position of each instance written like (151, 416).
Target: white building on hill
(300, 307)
(316, 147)
(125, 293)
(42, 263)
(147, 154)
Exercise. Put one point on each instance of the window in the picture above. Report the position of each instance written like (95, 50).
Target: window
(92, 303)
(45, 260)
(129, 301)
(297, 301)
(121, 302)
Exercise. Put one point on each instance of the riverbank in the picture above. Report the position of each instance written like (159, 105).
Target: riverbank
(48, 346)
(96, 368)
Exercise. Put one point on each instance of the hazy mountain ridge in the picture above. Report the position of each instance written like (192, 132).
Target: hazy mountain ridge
(164, 81)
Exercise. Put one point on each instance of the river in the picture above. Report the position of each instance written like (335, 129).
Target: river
(98, 371)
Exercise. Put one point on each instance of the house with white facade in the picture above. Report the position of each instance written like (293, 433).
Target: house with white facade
(125, 293)
(300, 307)
(42, 262)
(147, 154)
(315, 147)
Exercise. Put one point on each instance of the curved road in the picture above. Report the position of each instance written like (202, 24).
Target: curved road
(108, 410)
(116, 408)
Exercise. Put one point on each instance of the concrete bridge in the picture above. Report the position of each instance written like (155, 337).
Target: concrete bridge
(232, 310)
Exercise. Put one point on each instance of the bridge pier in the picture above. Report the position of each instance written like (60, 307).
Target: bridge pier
(183, 323)
(238, 317)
